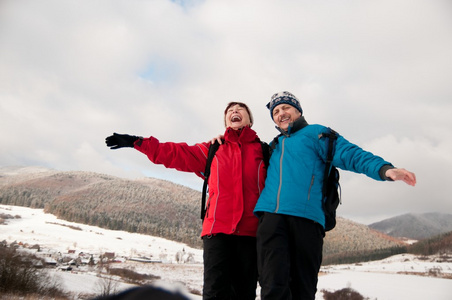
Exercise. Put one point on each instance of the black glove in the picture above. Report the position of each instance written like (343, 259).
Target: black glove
(117, 140)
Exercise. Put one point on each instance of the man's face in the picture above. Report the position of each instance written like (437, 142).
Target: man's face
(237, 117)
(284, 114)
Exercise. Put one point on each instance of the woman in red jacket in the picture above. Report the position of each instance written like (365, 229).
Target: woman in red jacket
(237, 177)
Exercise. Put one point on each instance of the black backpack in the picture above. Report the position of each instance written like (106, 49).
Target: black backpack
(212, 150)
(331, 187)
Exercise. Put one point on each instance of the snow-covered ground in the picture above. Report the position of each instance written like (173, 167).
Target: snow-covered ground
(382, 280)
(56, 235)
(388, 286)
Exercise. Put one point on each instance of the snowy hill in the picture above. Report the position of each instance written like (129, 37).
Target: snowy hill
(149, 206)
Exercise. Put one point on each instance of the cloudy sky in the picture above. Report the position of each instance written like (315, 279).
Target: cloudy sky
(378, 72)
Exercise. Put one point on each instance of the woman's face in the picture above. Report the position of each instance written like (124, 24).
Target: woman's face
(237, 117)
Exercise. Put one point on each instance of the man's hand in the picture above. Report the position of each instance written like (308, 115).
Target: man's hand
(117, 140)
(402, 174)
(219, 138)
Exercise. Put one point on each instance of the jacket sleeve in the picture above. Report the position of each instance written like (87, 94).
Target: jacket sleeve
(351, 157)
(179, 156)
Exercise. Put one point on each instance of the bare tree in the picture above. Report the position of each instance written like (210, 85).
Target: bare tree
(23, 274)
(107, 286)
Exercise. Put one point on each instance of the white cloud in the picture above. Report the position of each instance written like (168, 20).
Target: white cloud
(73, 72)
(367, 200)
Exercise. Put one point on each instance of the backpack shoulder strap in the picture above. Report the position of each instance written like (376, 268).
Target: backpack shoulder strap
(274, 142)
(332, 136)
(266, 152)
(212, 150)
(332, 139)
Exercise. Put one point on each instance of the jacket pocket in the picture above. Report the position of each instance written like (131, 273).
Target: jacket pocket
(310, 187)
(208, 206)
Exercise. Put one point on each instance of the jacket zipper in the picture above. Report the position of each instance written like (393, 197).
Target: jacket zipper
(280, 174)
(258, 177)
(216, 199)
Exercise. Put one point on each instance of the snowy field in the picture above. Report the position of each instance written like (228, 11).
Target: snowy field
(382, 280)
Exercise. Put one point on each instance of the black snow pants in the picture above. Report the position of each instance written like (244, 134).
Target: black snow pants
(230, 267)
(289, 256)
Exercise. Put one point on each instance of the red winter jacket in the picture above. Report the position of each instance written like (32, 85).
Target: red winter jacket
(236, 179)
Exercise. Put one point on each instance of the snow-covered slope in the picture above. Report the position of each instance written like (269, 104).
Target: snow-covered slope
(391, 278)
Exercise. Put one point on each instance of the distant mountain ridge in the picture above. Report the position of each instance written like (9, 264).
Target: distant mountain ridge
(415, 226)
(152, 206)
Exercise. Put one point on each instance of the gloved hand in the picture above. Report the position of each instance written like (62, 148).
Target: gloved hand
(117, 140)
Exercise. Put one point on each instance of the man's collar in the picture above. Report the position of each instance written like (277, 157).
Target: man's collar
(298, 124)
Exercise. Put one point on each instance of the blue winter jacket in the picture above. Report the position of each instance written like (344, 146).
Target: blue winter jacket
(295, 174)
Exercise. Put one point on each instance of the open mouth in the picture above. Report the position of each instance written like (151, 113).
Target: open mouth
(284, 119)
(236, 118)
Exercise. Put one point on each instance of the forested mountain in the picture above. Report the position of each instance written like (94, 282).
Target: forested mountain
(441, 244)
(155, 207)
(149, 206)
(415, 226)
(352, 242)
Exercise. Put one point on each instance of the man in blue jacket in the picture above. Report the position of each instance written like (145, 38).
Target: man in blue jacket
(291, 219)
